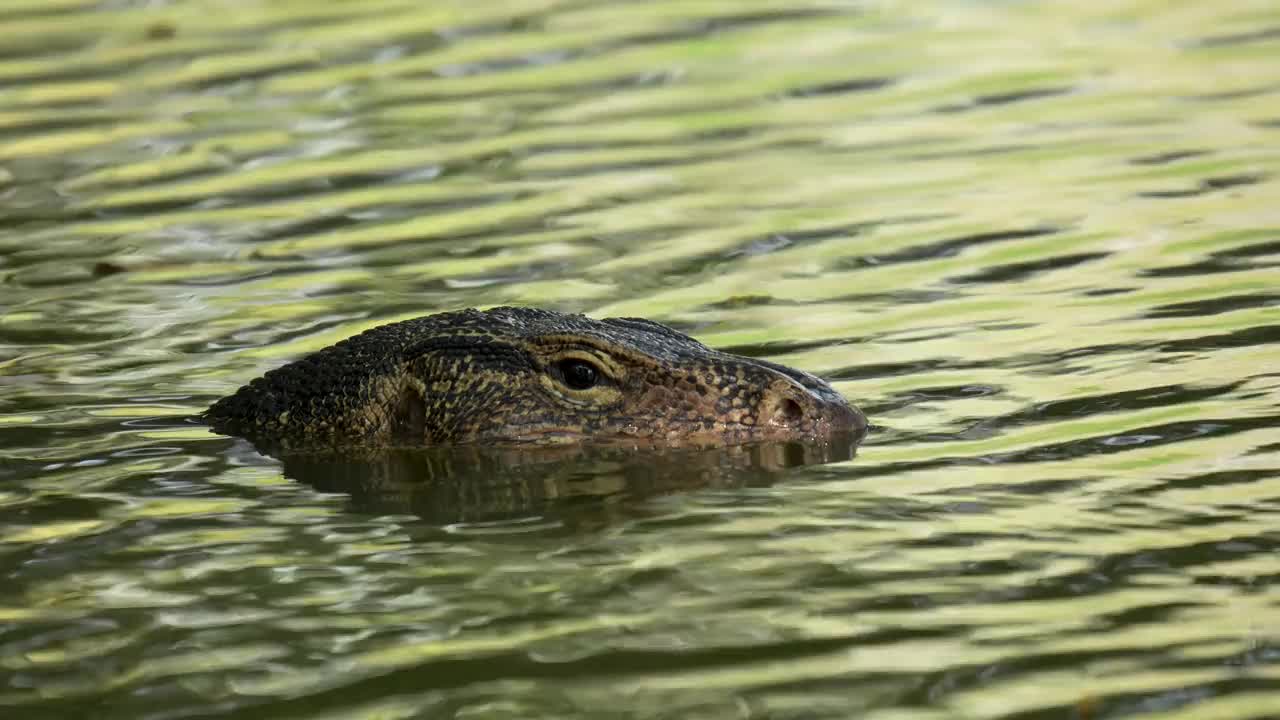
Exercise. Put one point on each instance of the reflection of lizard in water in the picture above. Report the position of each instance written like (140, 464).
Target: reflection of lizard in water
(529, 376)
(577, 484)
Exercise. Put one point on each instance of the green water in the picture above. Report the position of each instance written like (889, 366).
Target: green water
(1037, 242)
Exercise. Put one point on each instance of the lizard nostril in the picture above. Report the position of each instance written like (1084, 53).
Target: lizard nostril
(788, 412)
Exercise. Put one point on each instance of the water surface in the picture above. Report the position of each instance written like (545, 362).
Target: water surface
(1037, 242)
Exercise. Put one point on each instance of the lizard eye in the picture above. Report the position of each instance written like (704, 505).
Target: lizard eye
(578, 374)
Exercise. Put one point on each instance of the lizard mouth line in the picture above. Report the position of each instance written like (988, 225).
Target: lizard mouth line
(677, 437)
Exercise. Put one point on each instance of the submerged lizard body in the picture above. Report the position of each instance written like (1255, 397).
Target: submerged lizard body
(523, 375)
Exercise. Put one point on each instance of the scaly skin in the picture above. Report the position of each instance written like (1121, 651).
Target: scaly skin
(513, 376)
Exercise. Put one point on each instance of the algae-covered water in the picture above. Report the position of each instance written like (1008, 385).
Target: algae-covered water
(1037, 242)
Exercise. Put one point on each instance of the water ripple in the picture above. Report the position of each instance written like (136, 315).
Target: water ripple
(1035, 242)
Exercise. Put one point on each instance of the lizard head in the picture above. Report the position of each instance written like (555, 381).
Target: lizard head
(522, 375)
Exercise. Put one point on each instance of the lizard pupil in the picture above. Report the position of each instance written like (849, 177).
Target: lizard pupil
(578, 374)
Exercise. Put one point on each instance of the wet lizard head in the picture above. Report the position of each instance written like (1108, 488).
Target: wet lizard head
(523, 375)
